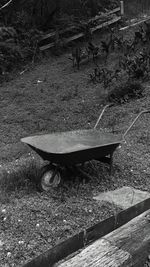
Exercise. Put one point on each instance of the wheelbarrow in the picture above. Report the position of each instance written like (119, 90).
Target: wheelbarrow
(69, 150)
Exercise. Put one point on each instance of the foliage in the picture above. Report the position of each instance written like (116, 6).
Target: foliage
(41, 13)
(16, 46)
(28, 41)
(125, 91)
(22, 22)
(134, 65)
(9, 50)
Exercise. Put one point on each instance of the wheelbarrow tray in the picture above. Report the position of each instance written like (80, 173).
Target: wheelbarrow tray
(74, 147)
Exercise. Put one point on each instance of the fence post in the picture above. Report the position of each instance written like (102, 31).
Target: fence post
(122, 7)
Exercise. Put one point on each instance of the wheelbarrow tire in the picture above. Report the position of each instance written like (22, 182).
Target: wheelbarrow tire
(49, 177)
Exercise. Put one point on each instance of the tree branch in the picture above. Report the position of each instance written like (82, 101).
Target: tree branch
(7, 4)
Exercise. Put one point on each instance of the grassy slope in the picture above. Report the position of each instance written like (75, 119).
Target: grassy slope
(63, 101)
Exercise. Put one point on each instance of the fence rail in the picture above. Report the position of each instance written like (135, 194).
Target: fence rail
(49, 40)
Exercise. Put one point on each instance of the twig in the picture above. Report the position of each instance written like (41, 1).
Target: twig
(7, 4)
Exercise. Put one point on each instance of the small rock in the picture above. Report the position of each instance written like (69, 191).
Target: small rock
(86, 210)
(3, 210)
(8, 254)
(21, 242)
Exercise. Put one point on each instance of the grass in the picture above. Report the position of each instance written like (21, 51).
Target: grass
(18, 177)
(33, 222)
(53, 97)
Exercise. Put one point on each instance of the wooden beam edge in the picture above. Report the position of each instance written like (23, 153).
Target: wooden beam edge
(91, 234)
(127, 246)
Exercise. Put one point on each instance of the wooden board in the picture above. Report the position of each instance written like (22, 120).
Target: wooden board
(52, 34)
(135, 24)
(84, 238)
(127, 246)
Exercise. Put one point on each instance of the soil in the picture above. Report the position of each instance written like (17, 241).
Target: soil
(52, 97)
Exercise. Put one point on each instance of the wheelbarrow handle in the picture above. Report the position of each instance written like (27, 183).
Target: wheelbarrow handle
(142, 112)
(100, 116)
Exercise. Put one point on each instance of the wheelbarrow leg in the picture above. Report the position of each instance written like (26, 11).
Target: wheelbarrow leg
(108, 160)
(78, 172)
(83, 174)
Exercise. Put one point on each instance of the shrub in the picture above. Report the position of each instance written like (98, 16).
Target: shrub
(126, 91)
(16, 46)
(9, 49)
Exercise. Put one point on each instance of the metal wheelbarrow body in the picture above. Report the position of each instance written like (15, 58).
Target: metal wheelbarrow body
(74, 147)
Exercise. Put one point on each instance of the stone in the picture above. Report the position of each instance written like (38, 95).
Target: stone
(124, 197)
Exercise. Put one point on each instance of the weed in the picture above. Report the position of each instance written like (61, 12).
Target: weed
(92, 49)
(126, 91)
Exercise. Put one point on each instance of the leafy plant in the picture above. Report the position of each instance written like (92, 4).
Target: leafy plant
(16, 46)
(126, 91)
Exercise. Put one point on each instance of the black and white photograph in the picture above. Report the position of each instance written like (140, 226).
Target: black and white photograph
(74, 133)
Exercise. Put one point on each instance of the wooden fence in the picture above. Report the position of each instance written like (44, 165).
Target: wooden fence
(51, 39)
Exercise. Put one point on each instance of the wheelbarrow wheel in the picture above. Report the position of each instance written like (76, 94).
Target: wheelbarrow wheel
(49, 178)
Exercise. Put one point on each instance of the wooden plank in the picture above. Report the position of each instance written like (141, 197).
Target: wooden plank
(105, 14)
(80, 35)
(84, 238)
(115, 10)
(134, 24)
(106, 24)
(124, 247)
(52, 34)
